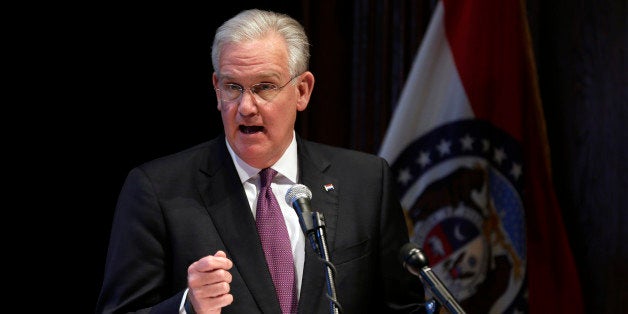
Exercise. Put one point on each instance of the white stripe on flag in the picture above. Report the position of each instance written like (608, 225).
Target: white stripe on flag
(432, 95)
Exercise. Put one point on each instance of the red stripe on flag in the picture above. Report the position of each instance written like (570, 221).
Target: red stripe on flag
(484, 37)
(492, 51)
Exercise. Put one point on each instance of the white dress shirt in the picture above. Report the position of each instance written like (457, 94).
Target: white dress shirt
(287, 172)
(287, 176)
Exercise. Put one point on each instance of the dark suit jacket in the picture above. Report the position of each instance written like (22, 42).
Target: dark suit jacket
(176, 209)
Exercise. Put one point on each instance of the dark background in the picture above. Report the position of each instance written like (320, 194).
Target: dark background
(112, 85)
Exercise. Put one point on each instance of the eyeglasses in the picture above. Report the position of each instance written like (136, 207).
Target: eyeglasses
(263, 92)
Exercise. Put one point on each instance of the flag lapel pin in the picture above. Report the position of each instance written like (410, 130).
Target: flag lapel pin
(328, 187)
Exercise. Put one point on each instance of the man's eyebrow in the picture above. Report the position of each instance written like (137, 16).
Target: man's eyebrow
(260, 77)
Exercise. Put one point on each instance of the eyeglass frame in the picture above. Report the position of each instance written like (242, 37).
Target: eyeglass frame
(255, 94)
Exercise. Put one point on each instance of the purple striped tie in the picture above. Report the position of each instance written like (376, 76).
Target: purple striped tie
(276, 243)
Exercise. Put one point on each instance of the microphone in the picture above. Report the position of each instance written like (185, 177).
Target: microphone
(415, 262)
(299, 196)
(313, 226)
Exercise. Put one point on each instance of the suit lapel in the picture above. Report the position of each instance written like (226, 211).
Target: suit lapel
(226, 202)
(312, 167)
(223, 194)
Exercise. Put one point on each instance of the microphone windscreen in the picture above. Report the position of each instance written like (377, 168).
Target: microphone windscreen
(412, 258)
(298, 191)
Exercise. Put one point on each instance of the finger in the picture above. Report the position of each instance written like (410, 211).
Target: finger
(222, 254)
(214, 276)
(212, 290)
(211, 262)
(212, 305)
(201, 279)
(221, 301)
(211, 297)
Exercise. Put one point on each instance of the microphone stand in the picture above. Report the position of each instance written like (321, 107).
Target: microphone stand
(417, 264)
(318, 240)
(440, 292)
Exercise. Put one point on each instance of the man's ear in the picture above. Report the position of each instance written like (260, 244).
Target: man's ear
(215, 85)
(305, 87)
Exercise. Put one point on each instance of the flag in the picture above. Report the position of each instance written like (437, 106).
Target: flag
(468, 145)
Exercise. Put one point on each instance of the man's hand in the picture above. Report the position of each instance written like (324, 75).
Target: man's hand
(209, 283)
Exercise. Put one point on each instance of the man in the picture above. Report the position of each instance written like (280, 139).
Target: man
(186, 234)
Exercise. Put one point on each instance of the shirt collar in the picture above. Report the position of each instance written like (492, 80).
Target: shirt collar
(285, 166)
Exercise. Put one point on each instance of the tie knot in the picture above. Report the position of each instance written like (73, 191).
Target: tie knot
(266, 177)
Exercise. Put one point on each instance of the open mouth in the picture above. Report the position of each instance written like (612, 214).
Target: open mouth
(251, 129)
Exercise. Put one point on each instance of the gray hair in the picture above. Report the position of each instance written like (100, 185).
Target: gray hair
(255, 24)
